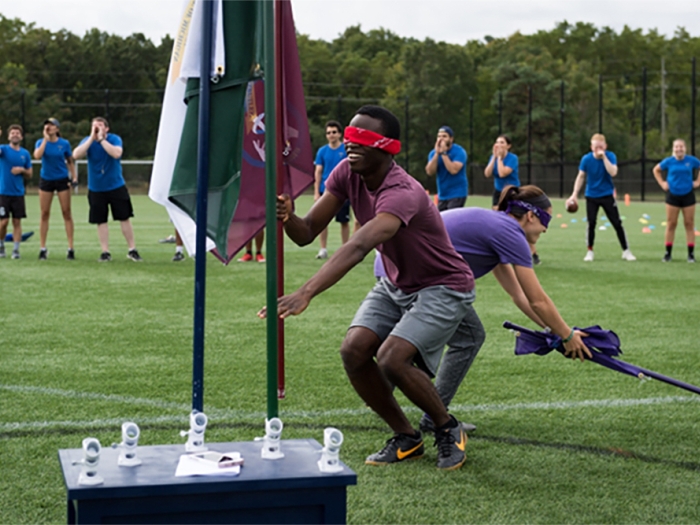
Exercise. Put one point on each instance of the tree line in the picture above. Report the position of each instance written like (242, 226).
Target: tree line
(514, 84)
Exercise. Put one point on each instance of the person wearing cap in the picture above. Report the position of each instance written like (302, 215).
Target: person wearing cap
(498, 241)
(15, 167)
(406, 318)
(58, 173)
(106, 186)
(449, 162)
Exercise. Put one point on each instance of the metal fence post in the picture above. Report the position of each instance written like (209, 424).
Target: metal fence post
(529, 134)
(470, 175)
(500, 112)
(406, 135)
(561, 141)
(23, 116)
(644, 129)
(600, 103)
(693, 94)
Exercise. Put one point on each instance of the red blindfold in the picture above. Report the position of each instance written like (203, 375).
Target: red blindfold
(373, 140)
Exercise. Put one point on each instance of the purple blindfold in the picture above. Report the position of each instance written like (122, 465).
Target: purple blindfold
(603, 344)
(542, 215)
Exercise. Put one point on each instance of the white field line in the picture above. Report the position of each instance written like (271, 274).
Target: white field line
(218, 414)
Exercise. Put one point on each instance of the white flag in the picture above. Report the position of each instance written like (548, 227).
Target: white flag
(184, 64)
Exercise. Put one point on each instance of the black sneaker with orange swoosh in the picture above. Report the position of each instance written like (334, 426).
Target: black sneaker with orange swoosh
(398, 448)
(451, 443)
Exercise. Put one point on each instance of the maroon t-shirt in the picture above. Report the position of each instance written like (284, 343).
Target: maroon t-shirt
(420, 254)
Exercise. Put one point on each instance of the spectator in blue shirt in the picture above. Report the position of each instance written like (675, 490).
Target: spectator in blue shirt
(106, 186)
(57, 174)
(327, 158)
(15, 166)
(680, 195)
(503, 165)
(598, 168)
(449, 162)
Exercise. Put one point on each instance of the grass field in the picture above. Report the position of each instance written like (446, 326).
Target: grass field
(85, 346)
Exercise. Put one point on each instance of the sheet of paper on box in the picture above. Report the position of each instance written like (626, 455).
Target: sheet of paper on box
(192, 466)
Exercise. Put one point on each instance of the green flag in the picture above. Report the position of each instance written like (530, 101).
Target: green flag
(242, 56)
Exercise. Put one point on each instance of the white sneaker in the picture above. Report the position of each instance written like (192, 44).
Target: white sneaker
(322, 254)
(589, 256)
(627, 256)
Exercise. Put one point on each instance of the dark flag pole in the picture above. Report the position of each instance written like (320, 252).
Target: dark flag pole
(279, 163)
(270, 204)
(202, 191)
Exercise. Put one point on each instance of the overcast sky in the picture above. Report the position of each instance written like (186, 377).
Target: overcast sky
(455, 21)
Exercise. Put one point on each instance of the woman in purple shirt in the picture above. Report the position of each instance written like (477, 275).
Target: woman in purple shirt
(499, 242)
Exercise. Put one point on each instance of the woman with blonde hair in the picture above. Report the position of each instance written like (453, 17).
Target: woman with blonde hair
(680, 195)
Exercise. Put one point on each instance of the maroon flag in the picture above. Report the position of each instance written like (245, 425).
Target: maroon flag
(298, 169)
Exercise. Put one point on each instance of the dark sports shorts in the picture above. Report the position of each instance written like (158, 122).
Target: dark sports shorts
(451, 204)
(495, 197)
(680, 201)
(12, 205)
(343, 216)
(54, 185)
(118, 200)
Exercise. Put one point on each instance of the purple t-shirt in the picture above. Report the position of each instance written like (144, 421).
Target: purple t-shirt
(487, 238)
(484, 238)
(420, 254)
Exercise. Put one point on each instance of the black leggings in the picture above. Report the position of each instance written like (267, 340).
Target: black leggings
(609, 206)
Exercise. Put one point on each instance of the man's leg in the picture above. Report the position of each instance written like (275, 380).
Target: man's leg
(3, 228)
(16, 236)
(128, 232)
(343, 217)
(248, 255)
(344, 232)
(103, 236)
(323, 239)
(179, 255)
(395, 359)
(259, 240)
(16, 231)
(357, 351)
(613, 214)
(591, 218)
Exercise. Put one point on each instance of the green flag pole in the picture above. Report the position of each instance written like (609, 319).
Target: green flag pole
(270, 204)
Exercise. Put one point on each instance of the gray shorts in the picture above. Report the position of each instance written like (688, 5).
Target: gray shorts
(427, 319)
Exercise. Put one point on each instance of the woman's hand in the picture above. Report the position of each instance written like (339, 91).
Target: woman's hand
(575, 348)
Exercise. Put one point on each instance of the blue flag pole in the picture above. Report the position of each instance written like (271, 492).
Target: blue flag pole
(270, 204)
(200, 272)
